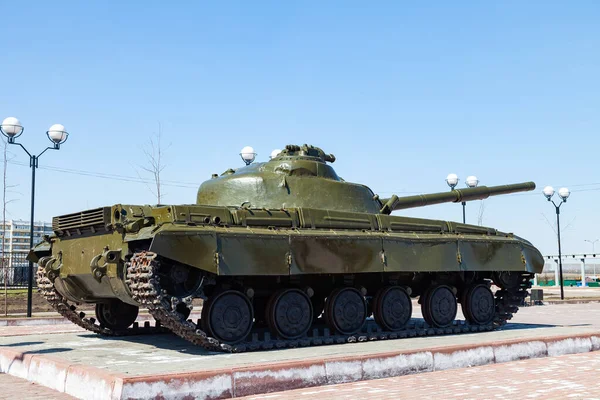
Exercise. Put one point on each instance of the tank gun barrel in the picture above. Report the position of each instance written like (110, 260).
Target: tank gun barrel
(454, 196)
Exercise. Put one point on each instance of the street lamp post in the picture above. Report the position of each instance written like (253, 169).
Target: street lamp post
(593, 242)
(564, 194)
(11, 128)
(471, 182)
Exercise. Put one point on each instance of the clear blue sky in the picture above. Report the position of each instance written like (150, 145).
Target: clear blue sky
(402, 94)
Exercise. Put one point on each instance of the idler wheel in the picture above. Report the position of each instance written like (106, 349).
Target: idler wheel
(439, 306)
(507, 279)
(228, 316)
(290, 313)
(346, 310)
(116, 314)
(392, 308)
(181, 280)
(478, 304)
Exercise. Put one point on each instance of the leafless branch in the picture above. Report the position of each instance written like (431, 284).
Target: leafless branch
(567, 226)
(145, 181)
(553, 226)
(480, 213)
(154, 152)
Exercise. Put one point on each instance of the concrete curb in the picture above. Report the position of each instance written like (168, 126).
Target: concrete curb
(86, 382)
(34, 321)
(56, 320)
(572, 301)
(59, 320)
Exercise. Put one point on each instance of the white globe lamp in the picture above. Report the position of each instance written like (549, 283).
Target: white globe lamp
(548, 192)
(57, 134)
(248, 155)
(472, 181)
(452, 180)
(275, 153)
(11, 128)
(564, 193)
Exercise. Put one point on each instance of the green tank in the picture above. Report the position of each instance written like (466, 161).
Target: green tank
(286, 253)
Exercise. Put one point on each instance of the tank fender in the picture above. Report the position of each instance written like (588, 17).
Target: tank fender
(40, 250)
(187, 245)
(146, 233)
(532, 258)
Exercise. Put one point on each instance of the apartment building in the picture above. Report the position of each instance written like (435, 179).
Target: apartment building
(16, 240)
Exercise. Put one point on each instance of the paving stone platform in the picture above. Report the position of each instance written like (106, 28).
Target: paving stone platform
(570, 377)
(88, 366)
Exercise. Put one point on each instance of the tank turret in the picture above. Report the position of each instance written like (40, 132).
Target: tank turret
(300, 176)
(454, 196)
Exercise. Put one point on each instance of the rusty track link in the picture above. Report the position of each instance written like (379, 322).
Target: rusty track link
(69, 311)
(145, 286)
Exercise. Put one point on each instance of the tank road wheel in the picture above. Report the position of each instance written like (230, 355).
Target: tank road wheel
(439, 306)
(478, 304)
(346, 310)
(290, 313)
(392, 308)
(116, 314)
(229, 316)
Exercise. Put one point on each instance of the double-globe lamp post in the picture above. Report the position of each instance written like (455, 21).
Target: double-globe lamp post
(593, 243)
(249, 155)
(564, 194)
(471, 182)
(11, 128)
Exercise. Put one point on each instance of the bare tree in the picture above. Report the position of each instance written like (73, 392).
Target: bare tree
(6, 157)
(553, 225)
(154, 152)
(480, 213)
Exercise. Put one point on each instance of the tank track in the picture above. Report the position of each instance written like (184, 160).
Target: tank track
(69, 311)
(145, 288)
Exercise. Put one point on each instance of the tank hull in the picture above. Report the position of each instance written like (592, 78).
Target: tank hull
(280, 243)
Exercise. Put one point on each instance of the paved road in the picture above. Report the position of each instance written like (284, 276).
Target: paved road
(553, 292)
(14, 389)
(574, 376)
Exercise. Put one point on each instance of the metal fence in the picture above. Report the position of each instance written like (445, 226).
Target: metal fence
(14, 270)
